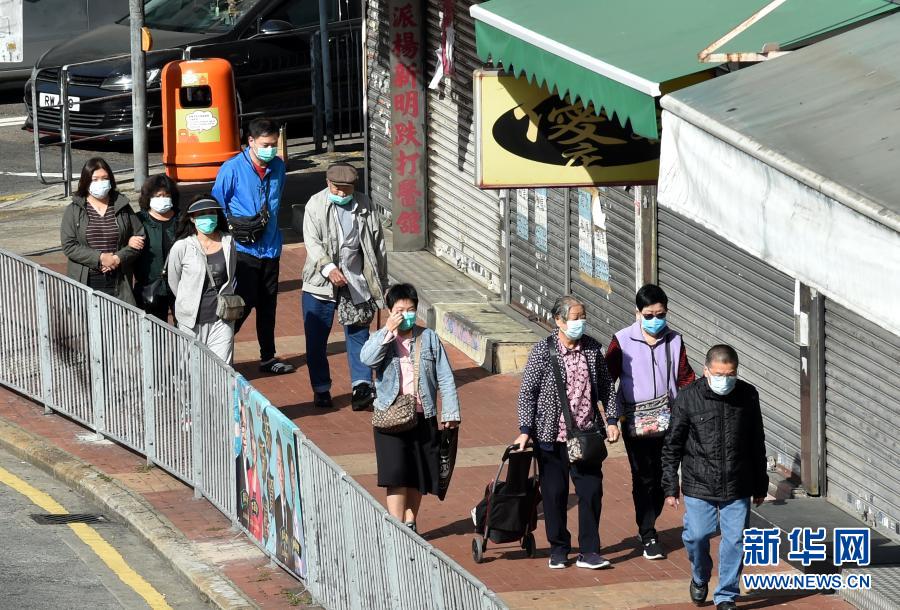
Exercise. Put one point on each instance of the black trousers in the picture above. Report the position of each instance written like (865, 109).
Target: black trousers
(645, 458)
(257, 284)
(555, 470)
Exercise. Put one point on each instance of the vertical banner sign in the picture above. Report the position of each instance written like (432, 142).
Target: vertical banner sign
(11, 31)
(268, 482)
(522, 214)
(585, 237)
(407, 124)
(540, 219)
(601, 252)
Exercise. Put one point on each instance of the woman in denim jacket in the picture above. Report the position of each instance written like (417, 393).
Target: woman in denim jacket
(408, 462)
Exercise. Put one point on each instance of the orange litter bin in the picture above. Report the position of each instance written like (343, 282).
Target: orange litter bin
(200, 119)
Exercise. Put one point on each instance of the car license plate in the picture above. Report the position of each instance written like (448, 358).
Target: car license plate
(52, 99)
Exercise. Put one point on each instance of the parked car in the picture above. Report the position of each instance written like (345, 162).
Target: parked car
(266, 41)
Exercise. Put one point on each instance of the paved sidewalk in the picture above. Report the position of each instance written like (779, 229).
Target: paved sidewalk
(489, 423)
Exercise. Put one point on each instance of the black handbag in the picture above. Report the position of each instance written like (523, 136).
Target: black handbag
(581, 445)
(248, 229)
(156, 291)
(447, 459)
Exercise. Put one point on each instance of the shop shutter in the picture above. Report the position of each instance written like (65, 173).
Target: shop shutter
(537, 264)
(608, 312)
(464, 222)
(720, 294)
(379, 103)
(862, 408)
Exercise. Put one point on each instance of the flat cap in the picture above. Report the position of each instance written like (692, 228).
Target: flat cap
(342, 173)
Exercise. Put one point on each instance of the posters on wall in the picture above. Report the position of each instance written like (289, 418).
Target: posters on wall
(268, 482)
(593, 252)
(540, 219)
(522, 213)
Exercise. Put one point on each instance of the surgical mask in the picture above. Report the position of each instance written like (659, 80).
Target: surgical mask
(160, 205)
(409, 320)
(100, 188)
(721, 384)
(206, 224)
(266, 154)
(574, 329)
(338, 200)
(654, 325)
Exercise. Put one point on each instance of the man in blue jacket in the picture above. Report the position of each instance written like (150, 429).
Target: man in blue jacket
(249, 187)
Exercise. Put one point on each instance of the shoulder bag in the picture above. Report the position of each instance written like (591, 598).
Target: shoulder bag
(248, 229)
(581, 445)
(650, 418)
(229, 307)
(400, 416)
(351, 314)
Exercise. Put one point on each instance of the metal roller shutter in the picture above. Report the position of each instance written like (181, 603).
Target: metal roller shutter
(378, 87)
(862, 408)
(538, 275)
(607, 312)
(464, 222)
(720, 294)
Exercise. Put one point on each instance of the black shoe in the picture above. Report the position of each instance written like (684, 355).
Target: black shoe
(276, 367)
(726, 606)
(699, 592)
(652, 549)
(363, 397)
(323, 400)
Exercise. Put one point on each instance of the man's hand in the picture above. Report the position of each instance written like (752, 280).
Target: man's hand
(449, 425)
(672, 501)
(520, 442)
(337, 278)
(136, 242)
(393, 322)
(612, 433)
(758, 500)
(108, 262)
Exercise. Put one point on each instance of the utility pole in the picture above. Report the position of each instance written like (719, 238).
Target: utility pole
(326, 74)
(138, 93)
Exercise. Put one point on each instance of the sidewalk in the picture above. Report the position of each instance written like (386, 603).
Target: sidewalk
(489, 423)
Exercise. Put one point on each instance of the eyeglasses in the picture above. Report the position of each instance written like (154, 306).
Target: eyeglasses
(650, 316)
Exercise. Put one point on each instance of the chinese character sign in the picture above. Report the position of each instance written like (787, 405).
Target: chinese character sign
(407, 124)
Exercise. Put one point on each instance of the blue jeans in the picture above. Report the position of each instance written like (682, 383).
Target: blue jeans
(318, 316)
(701, 517)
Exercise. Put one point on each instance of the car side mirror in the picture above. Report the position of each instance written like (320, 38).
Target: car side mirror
(274, 26)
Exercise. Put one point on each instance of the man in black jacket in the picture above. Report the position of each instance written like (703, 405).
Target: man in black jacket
(716, 436)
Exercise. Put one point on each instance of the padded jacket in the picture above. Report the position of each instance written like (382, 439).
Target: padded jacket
(719, 443)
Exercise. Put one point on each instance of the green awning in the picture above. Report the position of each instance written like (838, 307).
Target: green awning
(620, 55)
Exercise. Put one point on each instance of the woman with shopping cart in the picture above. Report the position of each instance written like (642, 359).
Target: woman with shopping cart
(564, 381)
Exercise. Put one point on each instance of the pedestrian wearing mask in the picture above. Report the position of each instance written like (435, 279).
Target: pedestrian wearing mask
(100, 234)
(650, 362)
(249, 186)
(716, 437)
(563, 383)
(159, 209)
(201, 269)
(345, 271)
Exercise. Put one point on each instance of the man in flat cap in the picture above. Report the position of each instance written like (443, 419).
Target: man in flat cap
(345, 271)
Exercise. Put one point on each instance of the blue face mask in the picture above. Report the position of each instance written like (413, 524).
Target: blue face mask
(409, 320)
(654, 326)
(574, 329)
(338, 200)
(206, 224)
(266, 154)
(721, 384)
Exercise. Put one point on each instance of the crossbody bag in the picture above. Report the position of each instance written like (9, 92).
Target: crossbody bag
(400, 416)
(650, 418)
(248, 229)
(229, 307)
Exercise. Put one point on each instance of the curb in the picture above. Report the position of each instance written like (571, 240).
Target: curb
(132, 508)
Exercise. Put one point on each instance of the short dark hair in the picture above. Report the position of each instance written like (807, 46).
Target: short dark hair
(650, 294)
(722, 353)
(263, 127)
(563, 305)
(87, 172)
(186, 228)
(401, 292)
(158, 182)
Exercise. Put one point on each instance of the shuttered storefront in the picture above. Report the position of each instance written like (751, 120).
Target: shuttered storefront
(862, 409)
(720, 294)
(378, 87)
(608, 310)
(464, 222)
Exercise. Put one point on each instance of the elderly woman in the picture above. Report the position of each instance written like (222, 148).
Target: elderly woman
(408, 462)
(100, 234)
(571, 362)
(158, 215)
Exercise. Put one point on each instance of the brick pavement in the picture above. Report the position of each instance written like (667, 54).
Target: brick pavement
(489, 422)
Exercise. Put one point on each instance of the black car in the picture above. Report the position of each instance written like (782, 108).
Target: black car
(268, 43)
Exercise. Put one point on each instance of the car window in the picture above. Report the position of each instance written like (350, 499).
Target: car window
(201, 16)
(300, 13)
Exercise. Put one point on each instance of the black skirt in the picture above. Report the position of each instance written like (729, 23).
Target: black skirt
(411, 458)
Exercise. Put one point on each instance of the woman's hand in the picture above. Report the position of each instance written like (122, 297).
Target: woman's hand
(521, 441)
(449, 425)
(393, 322)
(108, 261)
(612, 433)
(136, 242)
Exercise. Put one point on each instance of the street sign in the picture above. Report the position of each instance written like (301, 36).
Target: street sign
(11, 29)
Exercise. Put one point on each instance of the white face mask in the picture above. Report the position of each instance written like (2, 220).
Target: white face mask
(160, 205)
(100, 188)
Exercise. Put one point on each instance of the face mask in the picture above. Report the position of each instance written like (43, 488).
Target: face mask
(100, 188)
(206, 224)
(409, 320)
(654, 325)
(160, 205)
(338, 200)
(721, 384)
(266, 154)
(574, 329)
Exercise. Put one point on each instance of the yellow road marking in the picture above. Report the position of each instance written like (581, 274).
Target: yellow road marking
(13, 197)
(110, 556)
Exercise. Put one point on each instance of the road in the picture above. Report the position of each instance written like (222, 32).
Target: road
(82, 566)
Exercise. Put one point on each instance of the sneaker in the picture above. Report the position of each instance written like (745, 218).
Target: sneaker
(558, 563)
(363, 397)
(592, 561)
(699, 592)
(652, 549)
(322, 400)
(729, 605)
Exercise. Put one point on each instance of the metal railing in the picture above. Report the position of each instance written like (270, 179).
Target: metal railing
(156, 390)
